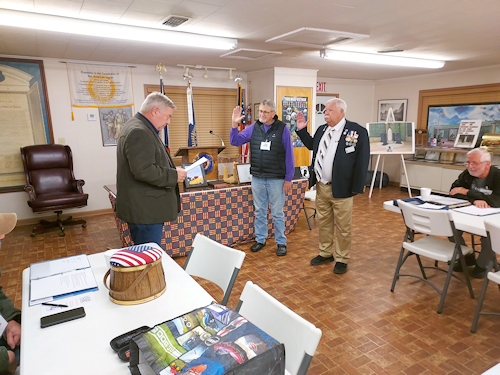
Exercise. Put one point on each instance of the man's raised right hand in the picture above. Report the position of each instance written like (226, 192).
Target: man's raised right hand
(237, 117)
(301, 121)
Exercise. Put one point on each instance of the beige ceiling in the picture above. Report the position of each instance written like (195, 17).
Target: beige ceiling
(465, 33)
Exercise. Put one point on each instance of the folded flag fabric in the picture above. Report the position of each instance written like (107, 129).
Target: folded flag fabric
(137, 255)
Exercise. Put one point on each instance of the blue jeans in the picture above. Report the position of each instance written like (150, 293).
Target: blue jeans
(144, 233)
(269, 191)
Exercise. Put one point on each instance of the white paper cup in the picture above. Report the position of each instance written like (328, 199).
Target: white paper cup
(107, 256)
(425, 193)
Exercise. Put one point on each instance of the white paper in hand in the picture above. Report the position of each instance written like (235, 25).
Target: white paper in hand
(195, 164)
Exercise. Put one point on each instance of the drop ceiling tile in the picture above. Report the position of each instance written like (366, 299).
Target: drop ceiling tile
(142, 19)
(191, 8)
(24, 5)
(65, 8)
(107, 5)
(215, 2)
(97, 15)
(152, 6)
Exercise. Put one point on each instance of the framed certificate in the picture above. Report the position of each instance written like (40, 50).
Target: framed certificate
(243, 171)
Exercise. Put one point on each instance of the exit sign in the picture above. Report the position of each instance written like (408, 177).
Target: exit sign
(320, 86)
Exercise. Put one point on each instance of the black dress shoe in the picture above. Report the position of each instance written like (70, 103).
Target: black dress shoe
(321, 260)
(478, 272)
(340, 268)
(257, 246)
(281, 252)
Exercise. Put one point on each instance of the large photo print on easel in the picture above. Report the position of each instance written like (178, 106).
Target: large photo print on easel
(391, 138)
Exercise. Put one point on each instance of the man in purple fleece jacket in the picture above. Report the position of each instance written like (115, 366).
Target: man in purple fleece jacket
(272, 166)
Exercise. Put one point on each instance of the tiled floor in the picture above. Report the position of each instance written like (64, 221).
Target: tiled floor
(366, 328)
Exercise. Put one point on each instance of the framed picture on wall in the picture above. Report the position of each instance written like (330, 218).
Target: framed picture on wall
(24, 115)
(399, 107)
(112, 121)
(255, 112)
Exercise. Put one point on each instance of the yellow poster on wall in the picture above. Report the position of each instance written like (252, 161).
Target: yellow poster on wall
(290, 101)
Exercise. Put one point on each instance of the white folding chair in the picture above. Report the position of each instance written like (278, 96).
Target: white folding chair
(215, 262)
(493, 232)
(300, 337)
(432, 223)
(309, 195)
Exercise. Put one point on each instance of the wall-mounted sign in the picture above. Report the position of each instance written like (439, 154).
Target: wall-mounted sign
(320, 86)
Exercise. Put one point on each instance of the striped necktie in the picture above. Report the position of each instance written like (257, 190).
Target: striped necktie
(325, 142)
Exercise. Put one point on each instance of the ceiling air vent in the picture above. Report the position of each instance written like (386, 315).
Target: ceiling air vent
(174, 21)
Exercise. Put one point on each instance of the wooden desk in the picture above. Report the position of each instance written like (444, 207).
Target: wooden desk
(81, 347)
(224, 215)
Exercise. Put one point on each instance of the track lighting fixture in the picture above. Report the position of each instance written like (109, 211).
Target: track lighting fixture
(205, 75)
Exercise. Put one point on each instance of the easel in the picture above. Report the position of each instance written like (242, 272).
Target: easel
(389, 119)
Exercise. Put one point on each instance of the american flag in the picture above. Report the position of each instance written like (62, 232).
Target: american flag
(244, 149)
(137, 255)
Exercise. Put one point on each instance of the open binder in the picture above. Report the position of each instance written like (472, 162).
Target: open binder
(59, 278)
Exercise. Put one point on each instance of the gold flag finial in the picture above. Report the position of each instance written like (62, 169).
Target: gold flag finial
(160, 68)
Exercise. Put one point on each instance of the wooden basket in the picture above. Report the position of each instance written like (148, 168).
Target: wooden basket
(134, 285)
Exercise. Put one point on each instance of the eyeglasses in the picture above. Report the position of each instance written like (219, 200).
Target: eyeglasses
(473, 163)
(261, 112)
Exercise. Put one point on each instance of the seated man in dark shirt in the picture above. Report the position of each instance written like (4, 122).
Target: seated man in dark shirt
(480, 185)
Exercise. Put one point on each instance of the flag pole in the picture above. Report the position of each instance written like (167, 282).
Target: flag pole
(242, 125)
(161, 68)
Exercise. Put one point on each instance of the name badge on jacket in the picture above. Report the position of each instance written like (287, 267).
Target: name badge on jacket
(265, 146)
(348, 150)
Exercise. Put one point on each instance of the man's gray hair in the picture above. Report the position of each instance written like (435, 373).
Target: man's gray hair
(270, 103)
(156, 99)
(485, 154)
(339, 103)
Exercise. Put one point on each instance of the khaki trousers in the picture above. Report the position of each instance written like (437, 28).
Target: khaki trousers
(334, 223)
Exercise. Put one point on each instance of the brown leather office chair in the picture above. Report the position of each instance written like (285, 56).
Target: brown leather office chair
(51, 185)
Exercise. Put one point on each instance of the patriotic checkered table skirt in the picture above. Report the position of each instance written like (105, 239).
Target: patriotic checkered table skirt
(224, 215)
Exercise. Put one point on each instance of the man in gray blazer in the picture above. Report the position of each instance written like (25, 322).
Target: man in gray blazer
(147, 178)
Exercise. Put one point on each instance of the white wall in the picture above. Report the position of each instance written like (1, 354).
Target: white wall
(358, 94)
(408, 88)
(261, 84)
(92, 162)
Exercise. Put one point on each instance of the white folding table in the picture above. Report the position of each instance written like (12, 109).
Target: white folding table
(464, 222)
(82, 346)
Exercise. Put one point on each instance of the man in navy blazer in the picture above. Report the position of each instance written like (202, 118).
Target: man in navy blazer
(341, 152)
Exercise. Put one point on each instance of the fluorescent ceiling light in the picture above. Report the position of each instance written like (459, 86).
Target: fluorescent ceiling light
(370, 58)
(111, 30)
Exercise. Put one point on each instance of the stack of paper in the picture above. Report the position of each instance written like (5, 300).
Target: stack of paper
(473, 210)
(59, 278)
